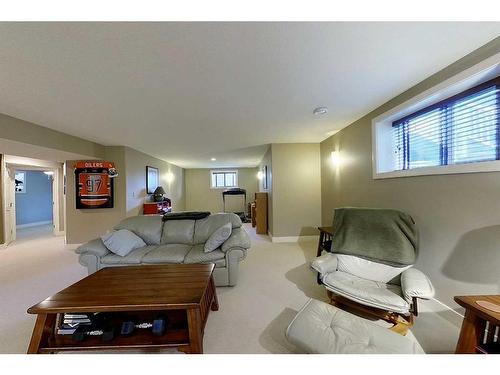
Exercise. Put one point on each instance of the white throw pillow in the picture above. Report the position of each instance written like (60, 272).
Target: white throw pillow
(218, 237)
(122, 242)
(367, 269)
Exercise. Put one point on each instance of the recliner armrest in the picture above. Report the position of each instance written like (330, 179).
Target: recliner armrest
(94, 247)
(415, 283)
(238, 238)
(326, 263)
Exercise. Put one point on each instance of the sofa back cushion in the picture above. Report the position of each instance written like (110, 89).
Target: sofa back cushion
(205, 227)
(122, 242)
(178, 231)
(149, 228)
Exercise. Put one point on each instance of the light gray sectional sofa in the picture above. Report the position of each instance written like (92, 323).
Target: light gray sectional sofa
(174, 241)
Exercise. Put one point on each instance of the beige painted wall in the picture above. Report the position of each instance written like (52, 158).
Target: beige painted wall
(171, 178)
(267, 160)
(22, 138)
(1, 199)
(84, 225)
(17, 130)
(130, 186)
(458, 215)
(200, 196)
(296, 189)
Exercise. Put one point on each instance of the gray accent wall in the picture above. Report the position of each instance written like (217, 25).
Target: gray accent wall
(458, 215)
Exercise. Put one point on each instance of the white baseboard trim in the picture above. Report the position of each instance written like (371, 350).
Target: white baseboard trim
(34, 224)
(294, 238)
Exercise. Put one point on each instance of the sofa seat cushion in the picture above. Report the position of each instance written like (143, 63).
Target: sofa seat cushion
(147, 227)
(178, 232)
(320, 328)
(171, 253)
(198, 255)
(134, 257)
(205, 227)
(367, 292)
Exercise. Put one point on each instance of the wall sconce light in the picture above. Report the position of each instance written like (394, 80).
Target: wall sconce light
(169, 177)
(260, 175)
(335, 158)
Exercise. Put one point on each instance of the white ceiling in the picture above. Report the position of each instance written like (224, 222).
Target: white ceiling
(186, 92)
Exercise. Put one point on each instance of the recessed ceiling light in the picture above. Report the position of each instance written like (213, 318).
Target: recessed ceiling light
(320, 111)
(213, 159)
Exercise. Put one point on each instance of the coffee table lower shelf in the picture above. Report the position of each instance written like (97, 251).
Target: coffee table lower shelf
(184, 294)
(177, 335)
(176, 338)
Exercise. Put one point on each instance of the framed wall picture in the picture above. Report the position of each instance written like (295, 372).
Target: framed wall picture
(152, 179)
(20, 180)
(94, 184)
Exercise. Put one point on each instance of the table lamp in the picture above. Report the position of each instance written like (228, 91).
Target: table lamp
(158, 194)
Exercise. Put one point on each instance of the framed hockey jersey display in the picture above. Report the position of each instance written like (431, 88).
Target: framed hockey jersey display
(94, 184)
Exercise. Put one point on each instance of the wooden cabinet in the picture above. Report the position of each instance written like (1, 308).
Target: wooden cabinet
(259, 213)
(156, 208)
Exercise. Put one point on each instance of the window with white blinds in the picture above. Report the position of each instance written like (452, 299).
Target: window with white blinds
(224, 179)
(462, 129)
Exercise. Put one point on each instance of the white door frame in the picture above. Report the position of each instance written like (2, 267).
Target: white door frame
(9, 204)
(9, 188)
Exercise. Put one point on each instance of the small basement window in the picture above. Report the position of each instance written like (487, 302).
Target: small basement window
(223, 179)
(453, 127)
(461, 129)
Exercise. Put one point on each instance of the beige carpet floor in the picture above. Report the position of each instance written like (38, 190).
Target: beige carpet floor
(275, 281)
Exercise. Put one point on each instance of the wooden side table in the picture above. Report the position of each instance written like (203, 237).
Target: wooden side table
(324, 243)
(325, 239)
(477, 334)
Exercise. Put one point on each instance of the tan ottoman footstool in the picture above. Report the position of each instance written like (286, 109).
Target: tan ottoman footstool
(324, 329)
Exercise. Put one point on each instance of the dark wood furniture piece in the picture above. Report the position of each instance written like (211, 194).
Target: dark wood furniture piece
(185, 293)
(477, 334)
(325, 239)
(156, 208)
(259, 213)
(324, 243)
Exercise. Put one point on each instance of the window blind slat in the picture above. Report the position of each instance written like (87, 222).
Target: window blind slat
(456, 131)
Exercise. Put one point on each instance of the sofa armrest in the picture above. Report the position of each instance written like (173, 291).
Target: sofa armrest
(238, 238)
(94, 247)
(324, 264)
(415, 283)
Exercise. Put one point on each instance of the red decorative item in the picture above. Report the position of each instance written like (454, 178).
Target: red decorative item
(94, 184)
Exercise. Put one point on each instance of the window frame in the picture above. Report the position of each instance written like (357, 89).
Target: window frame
(223, 171)
(448, 102)
(383, 157)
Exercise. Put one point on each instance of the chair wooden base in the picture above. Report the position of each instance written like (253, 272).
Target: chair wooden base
(401, 323)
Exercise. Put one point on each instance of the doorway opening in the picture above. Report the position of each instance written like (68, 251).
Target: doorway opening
(33, 199)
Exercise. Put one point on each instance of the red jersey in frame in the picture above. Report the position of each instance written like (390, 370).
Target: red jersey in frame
(94, 184)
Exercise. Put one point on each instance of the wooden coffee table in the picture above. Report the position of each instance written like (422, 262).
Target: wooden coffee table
(185, 293)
